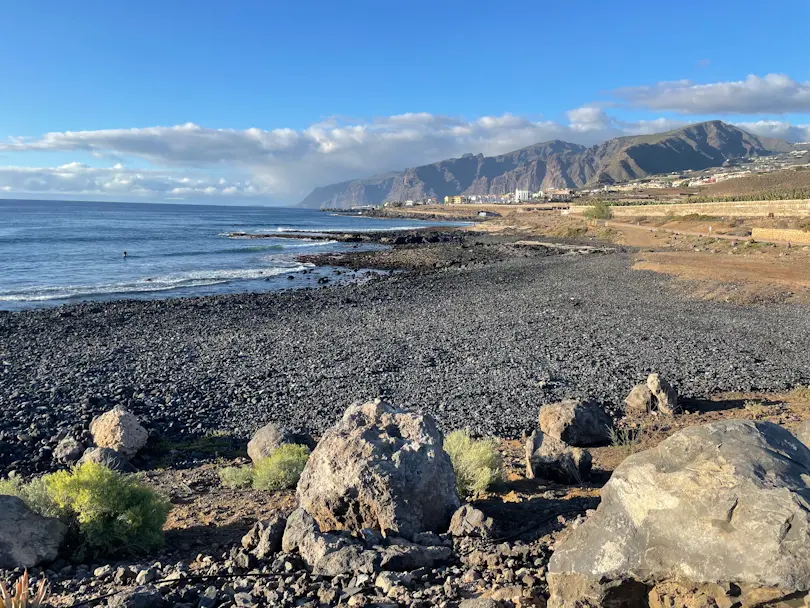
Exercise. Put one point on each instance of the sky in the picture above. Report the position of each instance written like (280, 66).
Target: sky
(259, 102)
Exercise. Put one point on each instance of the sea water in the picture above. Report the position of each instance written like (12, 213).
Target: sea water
(56, 252)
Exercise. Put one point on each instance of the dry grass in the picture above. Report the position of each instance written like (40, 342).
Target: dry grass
(800, 393)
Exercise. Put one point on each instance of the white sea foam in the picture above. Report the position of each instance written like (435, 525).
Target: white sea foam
(198, 278)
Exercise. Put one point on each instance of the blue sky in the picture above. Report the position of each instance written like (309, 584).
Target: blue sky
(97, 97)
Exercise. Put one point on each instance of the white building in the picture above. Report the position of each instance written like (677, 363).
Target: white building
(522, 195)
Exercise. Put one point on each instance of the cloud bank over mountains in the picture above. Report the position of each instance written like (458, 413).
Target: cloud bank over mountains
(771, 94)
(189, 160)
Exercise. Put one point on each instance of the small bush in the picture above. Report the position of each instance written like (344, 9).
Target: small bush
(236, 477)
(281, 469)
(34, 494)
(476, 463)
(22, 596)
(115, 514)
(626, 439)
(600, 211)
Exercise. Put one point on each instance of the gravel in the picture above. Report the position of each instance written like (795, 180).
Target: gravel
(476, 345)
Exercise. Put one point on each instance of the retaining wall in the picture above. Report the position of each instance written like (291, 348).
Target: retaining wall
(779, 234)
(736, 209)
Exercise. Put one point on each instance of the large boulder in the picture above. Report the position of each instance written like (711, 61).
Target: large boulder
(726, 503)
(381, 468)
(655, 395)
(27, 539)
(550, 458)
(267, 440)
(119, 430)
(576, 422)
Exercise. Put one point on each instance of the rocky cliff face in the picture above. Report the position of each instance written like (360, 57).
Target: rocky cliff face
(554, 164)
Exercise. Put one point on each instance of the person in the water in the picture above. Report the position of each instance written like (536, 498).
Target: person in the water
(125, 253)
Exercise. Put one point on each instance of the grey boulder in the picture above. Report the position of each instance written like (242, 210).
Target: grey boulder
(144, 596)
(469, 521)
(68, 451)
(267, 440)
(264, 538)
(328, 554)
(108, 458)
(550, 458)
(726, 502)
(26, 538)
(382, 468)
(576, 422)
(335, 553)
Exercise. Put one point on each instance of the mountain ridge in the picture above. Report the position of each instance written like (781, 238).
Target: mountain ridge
(554, 164)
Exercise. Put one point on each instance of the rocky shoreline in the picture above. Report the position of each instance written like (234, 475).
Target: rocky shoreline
(479, 335)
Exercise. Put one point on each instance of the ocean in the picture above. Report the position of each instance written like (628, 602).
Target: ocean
(57, 252)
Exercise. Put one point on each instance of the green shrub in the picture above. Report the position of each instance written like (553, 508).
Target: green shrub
(34, 494)
(114, 513)
(477, 463)
(281, 469)
(236, 477)
(600, 211)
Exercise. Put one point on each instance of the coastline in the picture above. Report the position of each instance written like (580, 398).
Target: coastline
(476, 329)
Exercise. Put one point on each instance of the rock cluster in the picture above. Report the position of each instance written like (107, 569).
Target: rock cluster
(656, 395)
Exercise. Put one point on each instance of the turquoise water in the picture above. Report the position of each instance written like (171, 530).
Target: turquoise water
(55, 252)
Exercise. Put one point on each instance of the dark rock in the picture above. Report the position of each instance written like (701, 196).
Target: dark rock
(551, 458)
(264, 538)
(109, 458)
(144, 596)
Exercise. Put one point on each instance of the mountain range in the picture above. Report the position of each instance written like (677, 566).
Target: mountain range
(555, 164)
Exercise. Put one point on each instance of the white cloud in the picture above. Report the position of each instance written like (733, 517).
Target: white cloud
(778, 129)
(771, 94)
(589, 118)
(80, 179)
(285, 164)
